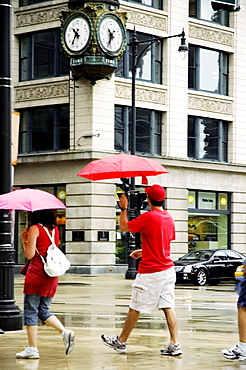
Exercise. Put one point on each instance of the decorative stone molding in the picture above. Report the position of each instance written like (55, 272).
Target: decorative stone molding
(143, 93)
(40, 92)
(208, 104)
(145, 18)
(40, 16)
(210, 34)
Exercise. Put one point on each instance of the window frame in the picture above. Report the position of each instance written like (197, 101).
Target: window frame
(29, 55)
(195, 8)
(222, 154)
(156, 49)
(26, 133)
(155, 130)
(156, 4)
(194, 70)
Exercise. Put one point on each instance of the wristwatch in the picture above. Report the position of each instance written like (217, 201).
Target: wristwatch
(123, 209)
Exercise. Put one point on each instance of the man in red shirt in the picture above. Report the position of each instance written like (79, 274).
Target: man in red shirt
(154, 284)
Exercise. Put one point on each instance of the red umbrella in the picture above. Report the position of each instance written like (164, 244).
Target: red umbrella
(122, 166)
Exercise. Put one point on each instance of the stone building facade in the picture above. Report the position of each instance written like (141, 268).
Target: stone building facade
(199, 104)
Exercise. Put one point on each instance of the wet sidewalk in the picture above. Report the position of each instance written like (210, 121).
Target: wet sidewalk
(93, 305)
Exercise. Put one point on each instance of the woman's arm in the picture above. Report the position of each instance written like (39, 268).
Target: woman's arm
(29, 239)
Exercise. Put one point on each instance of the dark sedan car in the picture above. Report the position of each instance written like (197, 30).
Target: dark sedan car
(205, 266)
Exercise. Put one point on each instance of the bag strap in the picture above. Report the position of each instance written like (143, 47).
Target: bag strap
(51, 239)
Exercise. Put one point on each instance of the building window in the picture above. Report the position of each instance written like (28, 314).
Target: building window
(149, 65)
(30, 2)
(157, 4)
(44, 129)
(208, 220)
(148, 130)
(41, 56)
(208, 70)
(202, 9)
(207, 139)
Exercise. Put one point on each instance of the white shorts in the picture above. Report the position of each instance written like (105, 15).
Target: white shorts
(153, 291)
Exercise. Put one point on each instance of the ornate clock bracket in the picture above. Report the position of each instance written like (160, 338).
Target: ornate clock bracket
(93, 37)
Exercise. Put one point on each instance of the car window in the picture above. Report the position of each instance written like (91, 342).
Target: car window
(232, 255)
(198, 255)
(221, 255)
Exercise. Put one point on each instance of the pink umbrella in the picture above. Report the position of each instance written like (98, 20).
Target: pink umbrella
(122, 166)
(30, 200)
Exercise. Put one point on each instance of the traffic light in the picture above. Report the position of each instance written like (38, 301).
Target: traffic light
(141, 201)
(230, 5)
(125, 186)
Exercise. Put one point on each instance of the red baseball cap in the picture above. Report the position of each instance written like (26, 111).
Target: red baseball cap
(156, 192)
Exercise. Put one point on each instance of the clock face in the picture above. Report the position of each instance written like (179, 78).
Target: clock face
(111, 34)
(77, 34)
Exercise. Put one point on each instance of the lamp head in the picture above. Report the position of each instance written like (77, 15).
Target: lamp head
(183, 49)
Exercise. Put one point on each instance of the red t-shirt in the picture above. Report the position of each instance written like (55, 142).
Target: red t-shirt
(36, 280)
(157, 230)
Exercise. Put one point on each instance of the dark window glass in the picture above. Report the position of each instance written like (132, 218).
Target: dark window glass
(202, 9)
(44, 54)
(41, 56)
(208, 70)
(44, 129)
(207, 139)
(29, 2)
(157, 4)
(148, 130)
(149, 61)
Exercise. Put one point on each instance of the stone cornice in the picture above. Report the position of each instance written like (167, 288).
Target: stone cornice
(211, 34)
(41, 91)
(146, 17)
(210, 104)
(39, 16)
(143, 93)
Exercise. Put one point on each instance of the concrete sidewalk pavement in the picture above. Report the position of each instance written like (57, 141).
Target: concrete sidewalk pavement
(93, 305)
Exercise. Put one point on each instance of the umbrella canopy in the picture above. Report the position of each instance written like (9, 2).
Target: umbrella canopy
(30, 200)
(122, 166)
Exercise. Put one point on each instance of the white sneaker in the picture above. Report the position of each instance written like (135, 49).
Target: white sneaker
(28, 353)
(68, 339)
(234, 353)
(172, 350)
(113, 342)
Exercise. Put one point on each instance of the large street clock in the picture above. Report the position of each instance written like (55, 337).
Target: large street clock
(76, 34)
(93, 37)
(110, 34)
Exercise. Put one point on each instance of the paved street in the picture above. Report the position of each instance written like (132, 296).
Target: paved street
(92, 305)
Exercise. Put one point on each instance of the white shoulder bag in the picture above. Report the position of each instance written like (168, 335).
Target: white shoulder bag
(56, 263)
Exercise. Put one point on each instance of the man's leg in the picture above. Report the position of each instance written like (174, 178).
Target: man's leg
(171, 318)
(242, 324)
(118, 343)
(130, 322)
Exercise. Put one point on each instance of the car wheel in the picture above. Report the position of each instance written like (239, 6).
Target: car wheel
(201, 278)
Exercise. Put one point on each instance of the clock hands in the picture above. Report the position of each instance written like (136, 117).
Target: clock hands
(76, 34)
(111, 36)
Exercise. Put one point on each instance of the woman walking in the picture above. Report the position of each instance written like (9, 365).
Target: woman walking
(39, 288)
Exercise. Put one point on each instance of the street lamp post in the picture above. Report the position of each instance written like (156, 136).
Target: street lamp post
(131, 272)
(10, 318)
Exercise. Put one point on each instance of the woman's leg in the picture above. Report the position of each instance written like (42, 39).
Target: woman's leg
(55, 323)
(32, 335)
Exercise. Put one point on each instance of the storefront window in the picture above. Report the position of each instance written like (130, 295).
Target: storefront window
(208, 220)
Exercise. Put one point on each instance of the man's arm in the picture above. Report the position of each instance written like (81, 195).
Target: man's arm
(123, 203)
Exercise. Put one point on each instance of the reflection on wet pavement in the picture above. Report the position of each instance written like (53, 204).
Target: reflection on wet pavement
(92, 305)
